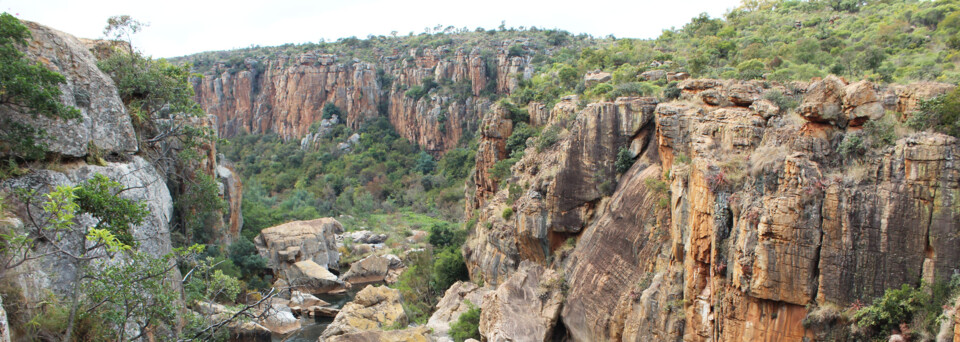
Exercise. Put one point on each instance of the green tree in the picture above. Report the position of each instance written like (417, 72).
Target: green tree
(467, 325)
(26, 87)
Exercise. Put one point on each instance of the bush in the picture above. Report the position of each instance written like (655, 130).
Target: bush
(448, 268)
(330, 109)
(624, 160)
(518, 139)
(507, 213)
(548, 137)
(918, 306)
(444, 235)
(940, 114)
(467, 326)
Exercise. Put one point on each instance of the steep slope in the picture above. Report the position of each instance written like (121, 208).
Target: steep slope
(736, 217)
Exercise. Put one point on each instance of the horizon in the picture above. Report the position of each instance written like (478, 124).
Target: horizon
(246, 24)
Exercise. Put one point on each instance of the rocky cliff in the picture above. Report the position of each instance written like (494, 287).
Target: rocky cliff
(736, 218)
(286, 94)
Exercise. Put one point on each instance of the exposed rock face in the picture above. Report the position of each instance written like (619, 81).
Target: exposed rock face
(418, 334)
(560, 186)
(302, 251)
(452, 305)
(374, 308)
(286, 94)
(104, 121)
(4, 325)
(371, 269)
(56, 272)
(495, 129)
(525, 307)
(279, 319)
(735, 219)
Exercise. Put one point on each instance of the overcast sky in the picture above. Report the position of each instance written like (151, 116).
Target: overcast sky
(179, 27)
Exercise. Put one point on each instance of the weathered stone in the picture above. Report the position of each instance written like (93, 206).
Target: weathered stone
(417, 334)
(104, 121)
(594, 77)
(823, 101)
(653, 75)
(525, 307)
(862, 102)
(373, 268)
(374, 308)
(279, 319)
(302, 251)
(453, 304)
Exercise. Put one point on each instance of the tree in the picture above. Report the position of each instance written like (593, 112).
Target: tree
(330, 109)
(28, 88)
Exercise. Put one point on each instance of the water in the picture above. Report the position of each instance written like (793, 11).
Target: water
(312, 327)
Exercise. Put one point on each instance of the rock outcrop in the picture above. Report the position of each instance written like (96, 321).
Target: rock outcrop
(286, 94)
(458, 299)
(525, 307)
(301, 252)
(373, 268)
(417, 334)
(103, 122)
(559, 186)
(736, 217)
(374, 308)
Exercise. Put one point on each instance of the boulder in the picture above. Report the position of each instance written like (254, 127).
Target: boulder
(279, 319)
(595, 77)
(374, 308)
(302, 251)
(417, 334)
(366, 236)
(653, 75)
(765, 108)
(453, 304)
(743, 93)
(307, 275)
(103, 121)
(525, 307)
(305, 300)
(862, 102)
(823, 101)
(373, 268)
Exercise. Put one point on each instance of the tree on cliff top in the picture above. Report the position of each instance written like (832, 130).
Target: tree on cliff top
(26, 87)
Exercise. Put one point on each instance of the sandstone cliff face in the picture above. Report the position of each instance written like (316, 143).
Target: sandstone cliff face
(736, 217)
(104, 120)
(286, 94)
(559, 188)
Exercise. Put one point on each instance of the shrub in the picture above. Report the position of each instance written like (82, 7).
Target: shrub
(329, 110)
(444, 235)
(624, 160)
(940, 114)
(507, 213)
(518, 139)
(467, 326)
(548, 137)
(448, 268)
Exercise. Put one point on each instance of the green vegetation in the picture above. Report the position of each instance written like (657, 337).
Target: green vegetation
(431, 271)
(920, 308)
(940, 114)
(467, 325)
(29, 88)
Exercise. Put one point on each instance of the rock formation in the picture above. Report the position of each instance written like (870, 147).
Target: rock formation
(525, 307)
(373, 268)
(736, 217)
(457, 300)
(286, 94)
(374, 308)
(301, 252)
(104, 121)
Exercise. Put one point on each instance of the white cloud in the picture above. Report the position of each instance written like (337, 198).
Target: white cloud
(179, 27)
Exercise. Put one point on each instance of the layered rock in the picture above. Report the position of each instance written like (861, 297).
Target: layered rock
(374, 308)
(301, 252)
(417, 334)
(103, 118)
(286, 94)
(459, 298)
(737, 216)
(525, 307)
(559, 186)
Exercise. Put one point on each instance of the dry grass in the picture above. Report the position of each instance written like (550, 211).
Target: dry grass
(767, 157)
(857, 171)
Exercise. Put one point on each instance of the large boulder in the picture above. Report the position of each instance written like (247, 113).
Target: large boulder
(595, 77)
(457, 300)
(104, 121)
(302, 252)
(823, 101)
(417, 334)
(373, 268)
(862, 102)
(374, 308)
(525, 307)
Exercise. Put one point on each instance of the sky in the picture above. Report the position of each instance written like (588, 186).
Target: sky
(181, 27)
